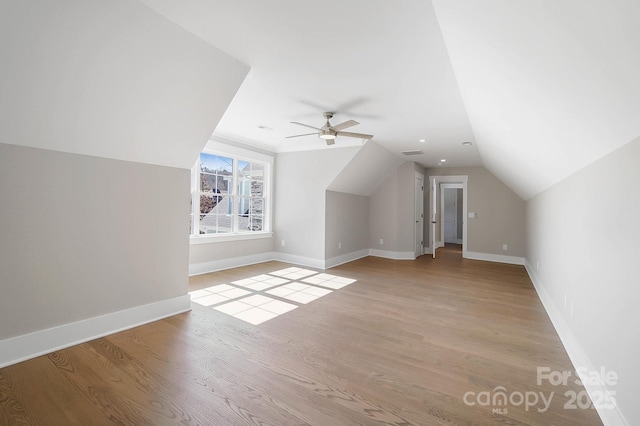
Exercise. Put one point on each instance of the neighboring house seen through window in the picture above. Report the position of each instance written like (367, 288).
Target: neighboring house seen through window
(229, 195)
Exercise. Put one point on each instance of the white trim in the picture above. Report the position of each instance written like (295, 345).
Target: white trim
(499, 258)
(573, 348)
(418, 209)
(299, 260)
(27, 346)
(395, 255)
(233, 262)
(464, 180)
(345, 258)
(219, 238)
(439, 244)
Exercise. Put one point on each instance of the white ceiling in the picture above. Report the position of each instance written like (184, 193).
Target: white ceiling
(542, 88)
(550, 85)
(382, 63)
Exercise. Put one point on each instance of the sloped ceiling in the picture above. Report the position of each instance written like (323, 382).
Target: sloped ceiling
(549, 85)
(111, 79)
(368, 169)
(380, 62)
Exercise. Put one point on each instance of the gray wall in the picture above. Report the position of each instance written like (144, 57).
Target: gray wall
(207, 252)
(347, 222)
(392, 211)
(301, 179)
(383, 215)
(582, 244)
(84, 236)
(501, 213)
(110, 96)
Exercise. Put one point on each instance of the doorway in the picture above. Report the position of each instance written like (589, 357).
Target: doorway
(451, 202)
(438, 209)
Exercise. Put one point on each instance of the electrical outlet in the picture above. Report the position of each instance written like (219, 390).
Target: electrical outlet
(505, 247)
(281, 243)
(381, 241)
(339, 246)
(537, 265)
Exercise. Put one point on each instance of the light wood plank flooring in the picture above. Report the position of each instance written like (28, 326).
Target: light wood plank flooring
(401, 346)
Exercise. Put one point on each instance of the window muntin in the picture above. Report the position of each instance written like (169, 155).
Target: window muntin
(230, 195)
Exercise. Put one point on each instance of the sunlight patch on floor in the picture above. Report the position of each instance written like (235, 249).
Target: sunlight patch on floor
(244, 299)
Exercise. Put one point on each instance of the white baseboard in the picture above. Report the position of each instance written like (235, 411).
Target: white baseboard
(299, 260)
(21, 348)
(395, 255)
(345, 258)
(579, 358)
(499, 258)
(234, 262)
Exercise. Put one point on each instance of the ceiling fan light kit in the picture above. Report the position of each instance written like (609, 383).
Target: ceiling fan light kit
(329, 133)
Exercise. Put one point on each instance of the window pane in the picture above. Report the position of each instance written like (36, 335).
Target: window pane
(208, 163)
(256, 206)
(207, 182)
(257, 188)
(244, 168)
(256, 223)
(243, 224)
(244, 206)
(257, 171)
(207, 203)
(215, 224)
(223, 184)
(224, 165)
(244, 186)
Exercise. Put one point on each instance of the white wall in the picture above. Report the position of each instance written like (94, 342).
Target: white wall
(366, 171)
(582, 244)
(85, 236)
(346, 224)
(301, 179)
(112, 79)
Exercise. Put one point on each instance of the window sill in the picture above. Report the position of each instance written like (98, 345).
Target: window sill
(219, 238)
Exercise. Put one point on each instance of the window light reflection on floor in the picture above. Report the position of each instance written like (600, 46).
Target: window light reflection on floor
(242, 300)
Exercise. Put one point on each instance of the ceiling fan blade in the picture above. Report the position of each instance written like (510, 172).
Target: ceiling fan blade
(355, 135)
(346, 124)
(297, 136)
(305, 125)
(330, 141)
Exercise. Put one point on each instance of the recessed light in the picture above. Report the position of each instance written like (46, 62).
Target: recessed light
(443, 160)
(466, 143)
(423, 140)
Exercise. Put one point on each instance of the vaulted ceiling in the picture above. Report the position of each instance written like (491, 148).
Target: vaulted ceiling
(541, 88)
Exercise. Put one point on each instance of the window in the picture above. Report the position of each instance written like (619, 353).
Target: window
(229, 195)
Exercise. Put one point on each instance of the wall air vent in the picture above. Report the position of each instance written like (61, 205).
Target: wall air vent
(412, 152)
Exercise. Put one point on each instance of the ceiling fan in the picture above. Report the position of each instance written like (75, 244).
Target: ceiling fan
(329, 132)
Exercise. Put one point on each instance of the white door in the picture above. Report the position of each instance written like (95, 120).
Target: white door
(434, 212)
(419, 214)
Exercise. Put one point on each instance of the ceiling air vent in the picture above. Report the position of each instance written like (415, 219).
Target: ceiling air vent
(413, 152)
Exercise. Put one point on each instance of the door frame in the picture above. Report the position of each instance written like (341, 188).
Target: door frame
(418, 195)
(444, 186)
(433, 209)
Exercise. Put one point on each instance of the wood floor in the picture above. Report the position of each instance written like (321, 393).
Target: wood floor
(401, 346)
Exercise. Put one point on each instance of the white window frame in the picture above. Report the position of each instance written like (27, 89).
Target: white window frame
(215, 147)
